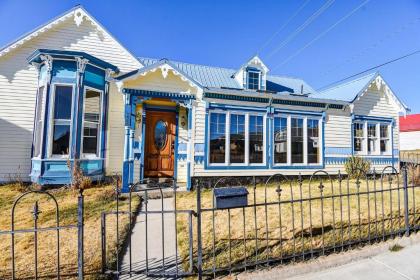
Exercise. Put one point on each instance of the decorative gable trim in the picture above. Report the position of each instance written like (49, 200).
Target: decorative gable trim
(78, 13)
(380, 84)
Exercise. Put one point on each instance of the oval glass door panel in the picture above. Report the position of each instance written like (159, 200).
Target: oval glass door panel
(160, 134)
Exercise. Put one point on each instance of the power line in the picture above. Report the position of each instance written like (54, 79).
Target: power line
(371, 68)
(302, 27)
(321, 34)
(372, 46)
(283, 26)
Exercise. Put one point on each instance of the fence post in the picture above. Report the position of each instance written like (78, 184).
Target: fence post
(103, 241)
(199, 245)
(406, 211)
(80, 222)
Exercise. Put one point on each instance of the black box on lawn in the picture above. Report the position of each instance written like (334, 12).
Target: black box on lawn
(230, 197)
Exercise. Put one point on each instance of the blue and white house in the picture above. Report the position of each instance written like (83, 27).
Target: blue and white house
(70, 91)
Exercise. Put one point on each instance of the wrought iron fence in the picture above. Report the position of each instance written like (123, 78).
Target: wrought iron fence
(36, 230)
(284, 219)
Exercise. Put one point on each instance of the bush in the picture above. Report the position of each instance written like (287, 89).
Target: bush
(357, 167)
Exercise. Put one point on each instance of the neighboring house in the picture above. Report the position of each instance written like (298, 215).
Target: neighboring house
(410, 132)
(69, 90)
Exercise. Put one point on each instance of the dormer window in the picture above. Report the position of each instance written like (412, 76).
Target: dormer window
(253, 80)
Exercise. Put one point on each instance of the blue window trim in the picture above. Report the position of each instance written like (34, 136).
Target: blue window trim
(269, 126)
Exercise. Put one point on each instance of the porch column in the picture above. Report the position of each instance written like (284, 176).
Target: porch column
(189, 145)
(128, 162)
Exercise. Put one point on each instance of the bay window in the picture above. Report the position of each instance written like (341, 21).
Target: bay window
(91, 122)
(61, 122)
(280, 140)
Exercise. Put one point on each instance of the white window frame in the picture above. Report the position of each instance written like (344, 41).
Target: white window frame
(305, 140)
(259, 79)
(378, 138)
(227, 138)
(41, 141)
(288, 137)
(364, 137)
(51, 120)
(389, 138)
(98, 144)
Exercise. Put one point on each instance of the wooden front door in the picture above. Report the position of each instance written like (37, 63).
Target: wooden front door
(160, 143)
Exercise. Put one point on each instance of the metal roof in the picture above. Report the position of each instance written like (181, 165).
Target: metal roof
(410, 123)
(347, 91)
(217, 77)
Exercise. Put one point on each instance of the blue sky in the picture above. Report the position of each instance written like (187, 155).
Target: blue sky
(227, 33)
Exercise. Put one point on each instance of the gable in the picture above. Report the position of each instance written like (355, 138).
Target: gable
(375, 102)
(77, 33)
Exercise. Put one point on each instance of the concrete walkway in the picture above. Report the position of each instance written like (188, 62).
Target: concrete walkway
(401, 265)
(158, 260)
(370, 262)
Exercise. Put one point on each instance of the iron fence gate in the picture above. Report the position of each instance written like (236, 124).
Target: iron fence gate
(36, 230)
(284, 219)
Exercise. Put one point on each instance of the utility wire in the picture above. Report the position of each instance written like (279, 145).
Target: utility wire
(372, 46)
(302, 27)
(283, 26)
(321, 35)
(371, 68)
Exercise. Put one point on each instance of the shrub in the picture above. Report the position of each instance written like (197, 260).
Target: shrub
(357, 167)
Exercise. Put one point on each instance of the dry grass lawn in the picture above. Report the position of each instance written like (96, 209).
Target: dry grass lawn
(274, 231)
(97, 199)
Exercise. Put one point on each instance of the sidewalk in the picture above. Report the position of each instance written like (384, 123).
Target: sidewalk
(371, 262)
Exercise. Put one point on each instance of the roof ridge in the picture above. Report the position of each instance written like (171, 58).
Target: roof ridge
(349, 81)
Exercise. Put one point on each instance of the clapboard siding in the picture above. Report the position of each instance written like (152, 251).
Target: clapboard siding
(18, 83)
(338, 130)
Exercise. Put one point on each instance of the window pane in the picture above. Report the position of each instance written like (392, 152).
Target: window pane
(62, 102)
(62, 117)
(358, 136)
(39, 121)
(237, 138)
(253, 80)
(384, 134)
(371, 137)
(256, 139)
(217, 138)
(280, 140)
(313, 141)
(91, 115)
(297, 140)
(61, 139)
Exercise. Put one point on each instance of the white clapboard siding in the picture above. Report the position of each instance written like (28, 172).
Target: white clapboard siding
(337, 129)
(410, 140)
(379, 104)
(18, 82)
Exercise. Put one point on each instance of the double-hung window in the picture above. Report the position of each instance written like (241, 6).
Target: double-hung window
(384, 138)
(253, 79)
(372, 138)
(313, 140)
(256, 139)
(61, 122)
(359, 137)
(217, 138)
(237, 138)
(91, 123)
(280, 140)
(297, 140)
